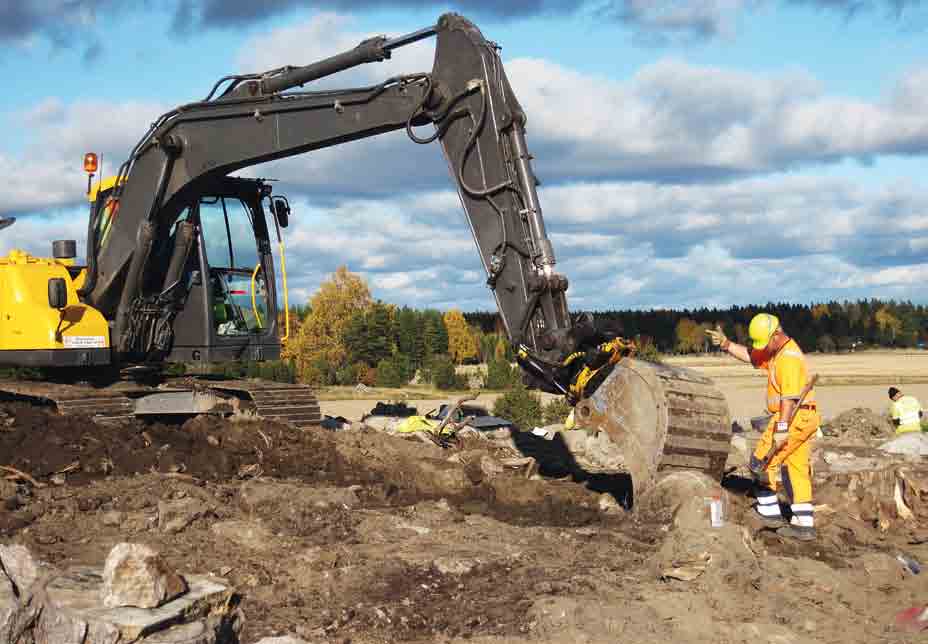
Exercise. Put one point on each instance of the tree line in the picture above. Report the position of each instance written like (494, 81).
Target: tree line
(826, 326)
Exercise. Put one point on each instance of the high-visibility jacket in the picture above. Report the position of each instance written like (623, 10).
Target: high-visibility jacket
(787, 375)
(907, 411)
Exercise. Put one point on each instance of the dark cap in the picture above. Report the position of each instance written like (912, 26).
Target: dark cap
(892, 392)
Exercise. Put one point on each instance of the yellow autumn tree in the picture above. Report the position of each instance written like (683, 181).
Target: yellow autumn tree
(318, 348)
(462, 344)
(889, 324)
(688, 336)
(819, 311)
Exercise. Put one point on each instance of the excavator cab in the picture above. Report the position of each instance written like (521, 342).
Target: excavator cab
(229, 309)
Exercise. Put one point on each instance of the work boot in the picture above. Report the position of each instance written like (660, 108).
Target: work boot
(801, 533)
(772, 522)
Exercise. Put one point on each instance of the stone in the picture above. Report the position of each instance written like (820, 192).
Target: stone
(175, 516)
(882, 493)
(909, 444)
(608, 505)
(594, 452)
(113, 518)
(286, 639)
(454, 566)
(8, 489)
(73, 613)
(17, 618)
(20, 566)
(740, 452)
(136, 575)
(249, 534)
(192, 633)
(438, 477)
(8, 605)
(258, 495)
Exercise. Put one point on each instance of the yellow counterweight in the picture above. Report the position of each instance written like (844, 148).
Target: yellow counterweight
(29, 323)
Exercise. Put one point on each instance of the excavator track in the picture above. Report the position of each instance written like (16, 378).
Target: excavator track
(99, 403)
(699, 427)
(280, 402)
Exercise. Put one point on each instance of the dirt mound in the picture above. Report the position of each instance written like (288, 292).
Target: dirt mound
(858, 424)
(44, 444)
(392, 471)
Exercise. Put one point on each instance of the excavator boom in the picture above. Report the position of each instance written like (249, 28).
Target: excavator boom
(467, 102)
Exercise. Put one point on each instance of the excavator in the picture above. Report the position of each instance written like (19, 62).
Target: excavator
(180, 264)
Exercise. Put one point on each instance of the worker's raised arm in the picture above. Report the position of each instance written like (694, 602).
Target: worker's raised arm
(718, 339)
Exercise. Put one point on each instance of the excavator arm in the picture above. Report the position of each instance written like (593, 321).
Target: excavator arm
(465, 102)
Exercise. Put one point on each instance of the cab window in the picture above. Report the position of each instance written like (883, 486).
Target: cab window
(238, 287)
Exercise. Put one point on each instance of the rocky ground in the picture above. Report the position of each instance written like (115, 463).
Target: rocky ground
(362, 537)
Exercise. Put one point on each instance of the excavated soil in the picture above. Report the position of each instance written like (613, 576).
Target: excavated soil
(358, 537)
(859, 424)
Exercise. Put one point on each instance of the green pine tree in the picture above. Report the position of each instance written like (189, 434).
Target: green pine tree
(380, 340)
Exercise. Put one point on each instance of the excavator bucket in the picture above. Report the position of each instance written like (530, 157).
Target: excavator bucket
(645, 418)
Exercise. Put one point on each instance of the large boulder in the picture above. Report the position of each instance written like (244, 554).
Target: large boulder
(136, 575)
(20, 566)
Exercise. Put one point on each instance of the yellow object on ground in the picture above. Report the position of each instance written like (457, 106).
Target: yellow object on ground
(570, 422)
(762, 328)
(420, 424)
(907, 411)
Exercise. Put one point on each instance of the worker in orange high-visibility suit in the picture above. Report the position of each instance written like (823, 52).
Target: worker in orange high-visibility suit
(787, 375)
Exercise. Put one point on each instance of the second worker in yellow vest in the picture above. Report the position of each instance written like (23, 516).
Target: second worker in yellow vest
(787, 375)
(905, 411)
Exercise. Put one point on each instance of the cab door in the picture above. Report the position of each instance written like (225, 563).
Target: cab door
(236, 264)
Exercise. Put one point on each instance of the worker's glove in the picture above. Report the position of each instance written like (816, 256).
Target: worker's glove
(717, 337)
(758, 471)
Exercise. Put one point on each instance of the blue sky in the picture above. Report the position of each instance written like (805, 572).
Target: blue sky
(691, 153)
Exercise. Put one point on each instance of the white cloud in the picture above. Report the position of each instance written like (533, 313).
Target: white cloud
(49, 172)
(35, 234)
(677, 121)
(780, 237)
